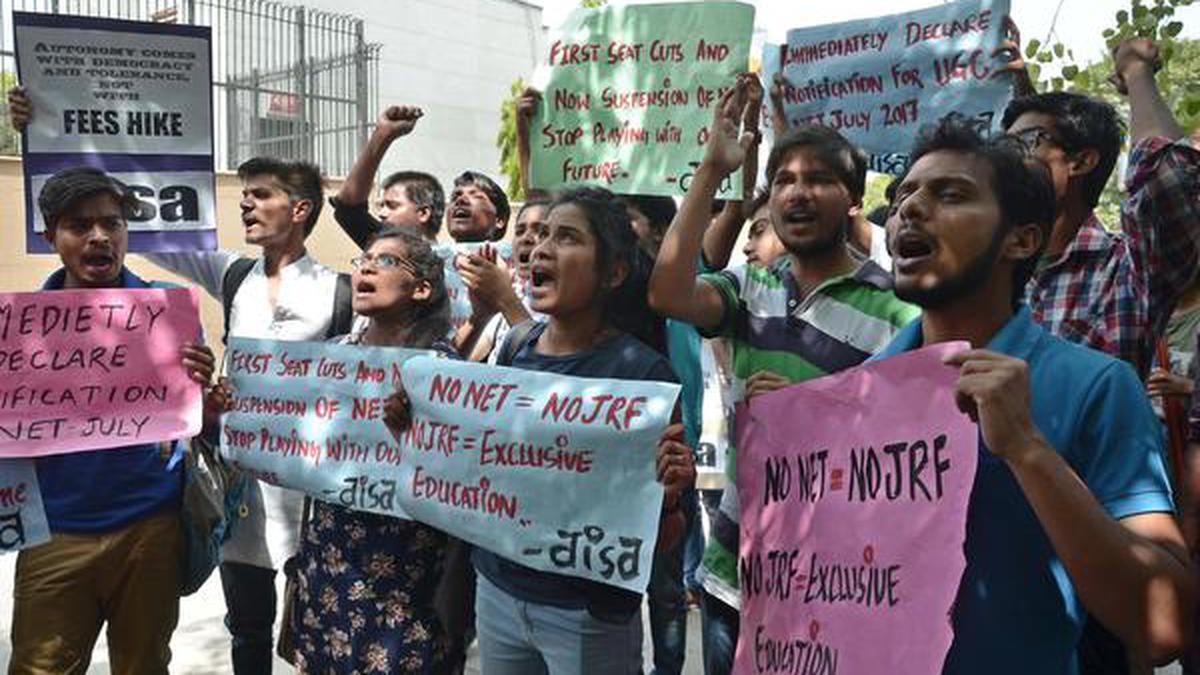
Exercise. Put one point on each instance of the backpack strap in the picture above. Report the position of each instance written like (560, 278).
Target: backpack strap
(342, 318)
(235, 274)
(518, 336)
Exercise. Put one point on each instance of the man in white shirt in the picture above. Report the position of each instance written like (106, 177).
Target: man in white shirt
(285, 295)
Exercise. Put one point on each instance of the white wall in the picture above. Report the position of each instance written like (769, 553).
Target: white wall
(456, 60)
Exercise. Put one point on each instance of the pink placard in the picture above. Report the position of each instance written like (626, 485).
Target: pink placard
(92, 369)
(853, 492)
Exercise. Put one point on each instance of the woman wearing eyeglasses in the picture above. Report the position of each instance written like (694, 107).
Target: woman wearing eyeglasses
(365, 582)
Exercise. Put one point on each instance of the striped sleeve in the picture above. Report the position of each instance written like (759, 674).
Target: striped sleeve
(728, 284)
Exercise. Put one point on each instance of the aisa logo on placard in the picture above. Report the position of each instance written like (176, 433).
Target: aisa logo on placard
(171, 204)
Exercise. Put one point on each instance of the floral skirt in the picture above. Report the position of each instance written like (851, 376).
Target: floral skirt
(364, 595)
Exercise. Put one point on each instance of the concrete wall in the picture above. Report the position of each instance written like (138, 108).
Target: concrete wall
(20, 271)
(456, 60)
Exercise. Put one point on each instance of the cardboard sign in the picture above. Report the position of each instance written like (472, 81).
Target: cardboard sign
(22, 517)
(878, 81)
(92, 369)
(854, 492)
(628, 95)
(521, 463)
(133, 99)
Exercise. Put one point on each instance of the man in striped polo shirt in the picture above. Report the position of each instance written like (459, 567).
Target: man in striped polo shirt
(816, 311)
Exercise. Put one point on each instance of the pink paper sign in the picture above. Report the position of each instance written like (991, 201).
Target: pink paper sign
(91, 369)
(854, 492)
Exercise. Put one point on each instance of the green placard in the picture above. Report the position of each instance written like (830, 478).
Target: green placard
(630, 95)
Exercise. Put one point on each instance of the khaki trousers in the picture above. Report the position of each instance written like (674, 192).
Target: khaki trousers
(68, 588)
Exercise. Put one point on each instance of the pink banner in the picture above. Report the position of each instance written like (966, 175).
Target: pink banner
(854, 492)
(91, 369)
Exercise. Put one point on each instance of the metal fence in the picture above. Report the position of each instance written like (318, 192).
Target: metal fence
(288, 81)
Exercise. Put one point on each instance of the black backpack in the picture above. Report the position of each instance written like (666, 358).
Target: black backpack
(343, 313)
(518, 336)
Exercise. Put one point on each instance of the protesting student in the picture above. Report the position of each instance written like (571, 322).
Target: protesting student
(494, 290)
(408, 199)
(285, 295)
(538, 622)
(117, 550)
(478, 211)
(1071, 508)
(815, 312)
(1175, 379)
(365, 583)
(1113, 292)
(762, 247)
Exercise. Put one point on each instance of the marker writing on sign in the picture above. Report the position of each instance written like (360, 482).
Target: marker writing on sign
(900, 470)
(915, 32)
(793, 655)
(83, 395)
(366, 493)
(480, 396)
(522, 454)
(591, 548)
(481, 497)
(45, 319)
(776, 579)
(617, 412)
(811, 477)
(864, 584)
(12, 531)
(12, 495)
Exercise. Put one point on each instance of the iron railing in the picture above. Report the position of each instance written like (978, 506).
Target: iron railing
(288, 81)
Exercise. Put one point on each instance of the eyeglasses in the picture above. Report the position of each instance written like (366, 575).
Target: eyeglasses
(383, 261)
(1033, 138)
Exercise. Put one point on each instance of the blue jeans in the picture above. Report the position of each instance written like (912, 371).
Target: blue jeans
(250, 616)
(668, 603)
(527, 638)
(693, 541)
(719, 624)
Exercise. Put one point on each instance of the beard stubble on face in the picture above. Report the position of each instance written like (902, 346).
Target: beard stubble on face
(967, 281)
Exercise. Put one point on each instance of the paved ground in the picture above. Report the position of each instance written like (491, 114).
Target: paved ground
(201, 645)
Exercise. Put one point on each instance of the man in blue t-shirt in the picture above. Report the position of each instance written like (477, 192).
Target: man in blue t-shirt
(116, 554)
(1071, 508)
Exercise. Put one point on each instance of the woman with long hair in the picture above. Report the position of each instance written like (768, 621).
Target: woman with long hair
(365, 582)
(585, 280)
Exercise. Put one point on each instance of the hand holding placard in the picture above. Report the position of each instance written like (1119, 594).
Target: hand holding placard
(852, 533)
(102, 368)
(518, 462)
(628, 92)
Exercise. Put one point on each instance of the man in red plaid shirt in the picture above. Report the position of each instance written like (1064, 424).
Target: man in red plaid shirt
(1114, 291)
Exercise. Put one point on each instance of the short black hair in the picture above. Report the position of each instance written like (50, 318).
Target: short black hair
(660, 211)
(423, 190)
(761, 197)
(66, 188)
(494, 193)
(842, 156)
(1021, 183)
(301, 180)
(1080, 123)
(533, 199)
